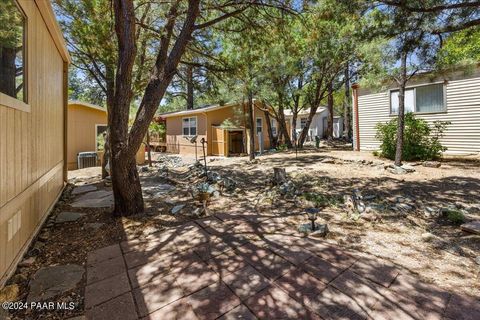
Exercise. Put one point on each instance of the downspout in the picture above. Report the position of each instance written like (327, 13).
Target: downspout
(355, 87)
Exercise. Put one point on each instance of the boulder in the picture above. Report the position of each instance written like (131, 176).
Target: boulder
(431, 164)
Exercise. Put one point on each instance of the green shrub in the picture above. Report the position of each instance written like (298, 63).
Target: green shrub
(282, 147)
(455, 216)
(420, 142)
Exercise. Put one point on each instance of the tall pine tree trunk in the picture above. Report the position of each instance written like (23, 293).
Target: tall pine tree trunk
(346, 107)
(149, 150)
(252, 124)
(401, 108)
(190, 101)
(330, 112)
(271, 137)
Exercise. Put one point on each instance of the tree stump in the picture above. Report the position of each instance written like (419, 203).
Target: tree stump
(279, 176)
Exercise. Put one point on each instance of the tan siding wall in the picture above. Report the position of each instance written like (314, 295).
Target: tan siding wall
(176, 143)
(463, 111)
(31, 143)
(81, 131)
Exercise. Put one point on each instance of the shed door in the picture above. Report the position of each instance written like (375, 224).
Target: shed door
(218, 141)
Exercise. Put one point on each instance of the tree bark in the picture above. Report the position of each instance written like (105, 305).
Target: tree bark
(8, 71)
(252, 125)
(330, 112)
(149, 151)
(401, 108)
(282, 122)
(189, 76)
(271, 137)
(346, 107)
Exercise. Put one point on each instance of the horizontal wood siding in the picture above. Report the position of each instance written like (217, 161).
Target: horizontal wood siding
(31, 143)
(463, 111)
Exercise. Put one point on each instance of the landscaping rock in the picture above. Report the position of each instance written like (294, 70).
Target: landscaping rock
(94, 225)
(96, 199)
(472, 227)
(328, 160)
(229, 184)
(408, 168)
(430, 212)
(403, 207)
(83, 189)
(9, 293)
(427, 236)
(397, 170)
(68, 216)
(27, 262)
(158, 190)
(431, 164)
(52, 281)
(321, 231)
(177, 209)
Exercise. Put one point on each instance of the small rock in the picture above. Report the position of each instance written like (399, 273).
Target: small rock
(397, 170)
(472, 227)
(427, 236)
(321, 231)
(400, 199)
(477, 260)
(94, 225)
(19, 278)
(44, 236)
(68, 216)
(431, 164)
(408, 168)
(144, 169)
(369, 197)
(9, 293)
(177, 208)
(430, 212)
(27, 262)
(402, 207)
(328, 160)
(361, 207)
(369, 216)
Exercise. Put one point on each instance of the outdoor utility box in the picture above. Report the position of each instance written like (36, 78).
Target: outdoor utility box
(87, 159)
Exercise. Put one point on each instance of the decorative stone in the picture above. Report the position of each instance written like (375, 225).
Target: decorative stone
(9, 293)
(430, 212)
(27, 262)
(408, 168)
(431, 164)
(158, 190)
(51, 281)
(177, 208)
(83, 189)
(96, 199)
(427, 236)
(321, 231)
(68, 216)
(477, 260)
(472, 227)
(328, 160)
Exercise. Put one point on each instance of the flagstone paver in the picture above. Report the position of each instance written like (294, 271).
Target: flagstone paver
(216, 268)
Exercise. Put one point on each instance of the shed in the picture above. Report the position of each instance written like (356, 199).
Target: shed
(87, 124)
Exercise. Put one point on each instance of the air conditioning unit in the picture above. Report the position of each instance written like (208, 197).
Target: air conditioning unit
(87, 159)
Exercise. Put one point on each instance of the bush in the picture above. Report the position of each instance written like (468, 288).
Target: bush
(282, 147)
(420, 141)
(455, 216)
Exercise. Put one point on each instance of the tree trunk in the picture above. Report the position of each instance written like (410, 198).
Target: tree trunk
(127, 190)
(8, 71)
(149, 150)
(252, 125)
(294, 126)
(282, 123)
(279, 176)
(106, 155)
(271, 137)
(189, 72)
(401, 109)
(346, 107)
(330, 112)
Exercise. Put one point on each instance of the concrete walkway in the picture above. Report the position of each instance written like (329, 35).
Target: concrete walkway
(254, 267)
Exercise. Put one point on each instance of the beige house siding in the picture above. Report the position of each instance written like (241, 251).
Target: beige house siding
(462, 110)
(32, 154)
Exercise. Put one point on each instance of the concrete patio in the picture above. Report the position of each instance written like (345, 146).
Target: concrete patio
(255, 267)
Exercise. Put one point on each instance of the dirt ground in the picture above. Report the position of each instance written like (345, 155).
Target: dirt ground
(428, 245)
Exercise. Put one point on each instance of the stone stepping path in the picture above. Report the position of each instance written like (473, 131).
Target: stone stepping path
(95, 199)
(234, 268)
(83, 189)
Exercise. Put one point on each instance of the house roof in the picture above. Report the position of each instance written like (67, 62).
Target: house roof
(86, 104)
(203, 109)
(304, 112)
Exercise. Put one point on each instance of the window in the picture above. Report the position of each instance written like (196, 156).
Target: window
(189, 126)
(273, 123)
(259, 125)
(12, 51)
(303, 123)
(428, 98)
(100, 133)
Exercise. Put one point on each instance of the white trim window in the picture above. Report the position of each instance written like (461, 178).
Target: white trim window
(259, 125)
(189, 126)
(422, 99)
(100, 133)
(273, 124)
